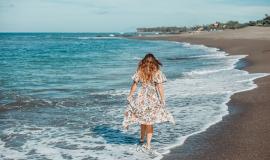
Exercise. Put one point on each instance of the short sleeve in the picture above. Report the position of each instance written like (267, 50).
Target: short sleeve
(159, 77)
(135, 77)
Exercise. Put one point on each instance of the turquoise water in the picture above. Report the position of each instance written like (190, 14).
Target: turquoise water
(62, 95)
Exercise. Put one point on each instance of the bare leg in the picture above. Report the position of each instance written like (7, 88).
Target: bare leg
(143, 129)
(149, 134)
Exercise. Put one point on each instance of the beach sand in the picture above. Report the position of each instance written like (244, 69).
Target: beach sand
(244, 134)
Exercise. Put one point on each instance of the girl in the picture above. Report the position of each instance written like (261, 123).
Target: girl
(148, 107)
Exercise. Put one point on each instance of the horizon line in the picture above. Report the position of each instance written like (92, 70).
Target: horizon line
(61, 32)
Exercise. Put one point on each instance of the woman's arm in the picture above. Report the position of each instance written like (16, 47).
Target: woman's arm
(132, 89)
(160, 89)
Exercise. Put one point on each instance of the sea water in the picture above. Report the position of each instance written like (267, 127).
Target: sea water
(62, 95)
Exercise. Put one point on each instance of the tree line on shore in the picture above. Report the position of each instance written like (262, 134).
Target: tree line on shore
(265, 22)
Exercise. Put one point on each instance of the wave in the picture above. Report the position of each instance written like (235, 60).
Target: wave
(182, 58)
(209, 50)
(25, 102)
(213, 53)
(91, 37)
(118, 92)
(21, 102)
(137, 58)
(209, 71)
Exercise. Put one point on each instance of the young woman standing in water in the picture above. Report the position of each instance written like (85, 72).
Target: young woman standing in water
(148, 107)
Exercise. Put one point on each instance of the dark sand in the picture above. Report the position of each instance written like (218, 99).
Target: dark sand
(244, 134)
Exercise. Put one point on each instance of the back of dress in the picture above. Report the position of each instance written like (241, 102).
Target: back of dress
(146, 107)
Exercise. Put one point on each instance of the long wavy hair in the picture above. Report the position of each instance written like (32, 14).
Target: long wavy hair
(147, 67)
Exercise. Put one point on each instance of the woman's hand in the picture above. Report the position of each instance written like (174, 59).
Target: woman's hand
(162, 101)
(161, 93)
(132, 90)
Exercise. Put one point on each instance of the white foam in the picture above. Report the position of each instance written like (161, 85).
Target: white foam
(200, 72)
(85, 38)
(118, 92)
(44, 142)
(92, 37)
(110, 37)
(225, 81)
(137, 58)
(216, 52)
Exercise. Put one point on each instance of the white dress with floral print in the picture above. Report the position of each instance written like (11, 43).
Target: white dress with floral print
(146, 107)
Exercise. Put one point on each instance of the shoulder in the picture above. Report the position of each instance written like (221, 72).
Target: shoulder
(135, 76)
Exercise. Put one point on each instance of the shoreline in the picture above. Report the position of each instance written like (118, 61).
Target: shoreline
(242, 133)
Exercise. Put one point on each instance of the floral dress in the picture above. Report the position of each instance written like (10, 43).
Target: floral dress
(146, 107)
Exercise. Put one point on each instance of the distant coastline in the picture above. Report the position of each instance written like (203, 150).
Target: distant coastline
(264, 22)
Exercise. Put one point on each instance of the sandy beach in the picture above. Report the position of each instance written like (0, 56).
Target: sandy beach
(244, 134)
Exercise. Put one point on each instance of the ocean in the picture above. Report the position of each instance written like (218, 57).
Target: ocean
(63, 95)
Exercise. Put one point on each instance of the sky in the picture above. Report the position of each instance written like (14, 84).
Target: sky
(122, 15)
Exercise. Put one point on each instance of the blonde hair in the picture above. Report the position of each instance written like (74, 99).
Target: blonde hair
(147, 67)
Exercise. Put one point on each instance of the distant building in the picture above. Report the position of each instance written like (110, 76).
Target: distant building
(140, 29)
(216, 24)
(200, 29)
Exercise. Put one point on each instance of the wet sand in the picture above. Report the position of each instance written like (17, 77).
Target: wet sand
(244, 134)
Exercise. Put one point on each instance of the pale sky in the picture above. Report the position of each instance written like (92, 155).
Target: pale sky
(122, 15)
